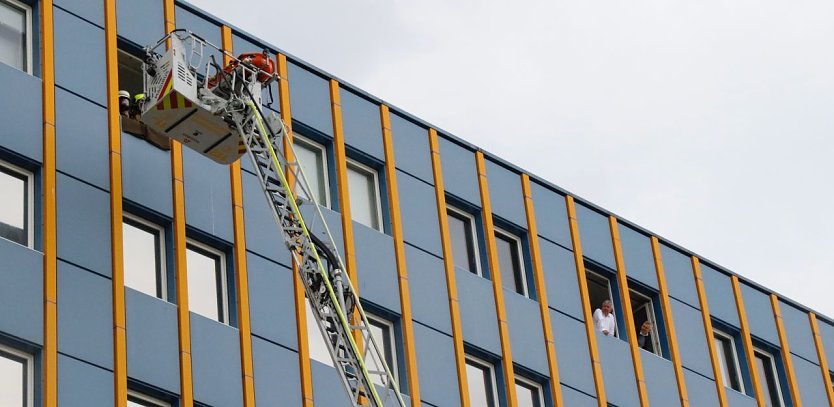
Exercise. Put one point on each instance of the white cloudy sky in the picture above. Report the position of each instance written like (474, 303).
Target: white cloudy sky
(709, 123)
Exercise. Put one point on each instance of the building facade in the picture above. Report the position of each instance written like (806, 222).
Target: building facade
(137, 275)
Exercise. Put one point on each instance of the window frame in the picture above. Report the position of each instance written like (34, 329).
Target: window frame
(223, 285)
(377, 193)
(147, 400)
(525, 382)
(473, 238)
(772, 365)
(590, 273)
(484, 365)
(29, 199)
(729, 338)
(319, 148)
(28, 361)
(392, 343)
(162, 271)
(519, 250)
(27, 11)
(655, 336)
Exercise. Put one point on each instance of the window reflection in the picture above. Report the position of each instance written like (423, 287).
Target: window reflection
(206, 282)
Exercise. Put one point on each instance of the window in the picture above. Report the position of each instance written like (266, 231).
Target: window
(318, 347)
(16, 209)
(769, 380)
(383, 333)
(480, 376)
(642, 309)
(16, 35)
(599, 291)
(725, 349)
(207, 286)
(510, 261)
(144, 256)
(528, 393)
(135, 399)
(313, 161)
(363, 185)
(17, 378)
(130, 73)
(464, 240)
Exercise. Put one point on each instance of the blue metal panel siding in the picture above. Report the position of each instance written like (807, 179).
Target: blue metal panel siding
(505, 194)
(736, 399)
(140, 21)
(152, 347)
(21, 112)
(692, 339)
(617, 371)
(215, 362)
(574, 398)
(560, 277)
(759, 314)
(146, 175)
(810, 383)
(526, 336)
(429, 296)
(436, 354)
(90, 10)
(827, 334)
(798, 330)
(679, 276)
(262, 233)
(85, 320)
(81, 141)
(208, 195)
(202, 27)
(310, 98)
(572, 353)
(701, 390)
(271, 305)
(660, 380)
(419, 214)
(276, 374)
(82, 384)
(327, 387)
(83, 225)
(376, 267)
(363, 130)
(80, 44)
(411, 147)
(21, 291)
(719, 289)
(477, 311)
(460, 174)
(551, 215)
(637, 254)
(595, 234)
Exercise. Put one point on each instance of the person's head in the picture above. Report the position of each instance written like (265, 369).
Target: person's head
(646, 327)
(606, 307)
(124, 101)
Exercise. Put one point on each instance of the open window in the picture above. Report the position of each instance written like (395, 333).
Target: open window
(768, 378)
(130, 73)
(16, 35)
(464, 240)
(18, 378)
(725, 349)
(599, 294)
(16, 206)
(510, 261)
(642, 308)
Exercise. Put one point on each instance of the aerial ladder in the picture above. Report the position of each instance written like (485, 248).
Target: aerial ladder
(216, 111)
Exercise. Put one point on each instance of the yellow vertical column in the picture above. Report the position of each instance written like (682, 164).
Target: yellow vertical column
(787, 361)
(449, 267)
(541, 289)
(671, 334)
(50, 259)
(748, 343)
(590, 332)
(305, 370)
(116, 247)
(705, 316)
(826, 376)
(241, 271)
(399, 252)
(622, 280)
(497, 287)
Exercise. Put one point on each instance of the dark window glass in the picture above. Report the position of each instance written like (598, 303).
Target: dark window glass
(728, 360)
(643, 311)
(768, 379)
(461, 233)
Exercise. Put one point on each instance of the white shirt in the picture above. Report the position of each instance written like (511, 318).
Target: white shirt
(605, 322)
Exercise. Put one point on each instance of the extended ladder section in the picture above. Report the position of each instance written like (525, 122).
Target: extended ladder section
(217, 112)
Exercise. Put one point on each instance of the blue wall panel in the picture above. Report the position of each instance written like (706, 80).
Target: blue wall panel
(208, 195)
(572, 352)
(262, 233)
(328, 390)
(146, 175)
(574, 398)
(427, 285)
(660, 380)
(637, 255)
(526, 336)
(271, 301)
(701, 390)
(208, 30)
(411, 148)
(83, 225)
(460, 173)
(85, 318)
(215, 363)
(477, 311)
(692, 339)
(82, 384)
(719, 289)
(80, 44)
(736, 399)
(376, 267)
(595, 235)
(310, 98)
(362, 126)
(276, 374)
(617, 371)
(798, 329)
(21, 291)
(81, 139)
(90, 10)
(827, 334)
(22, 117)
(560, 277)
(140, 21)
(436, 353)
(759, 314)
(551, 215)
(810, 382)
(418, 209)
(152, 341)
(679, 276)
(505, 194)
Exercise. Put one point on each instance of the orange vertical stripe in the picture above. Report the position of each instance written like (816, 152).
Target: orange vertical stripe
(705, 316)
(579, 260)
(787, 361)
(541, 289)
(748, 343)
(826, 375)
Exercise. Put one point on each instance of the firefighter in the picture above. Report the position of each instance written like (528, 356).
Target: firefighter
(124, 102)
